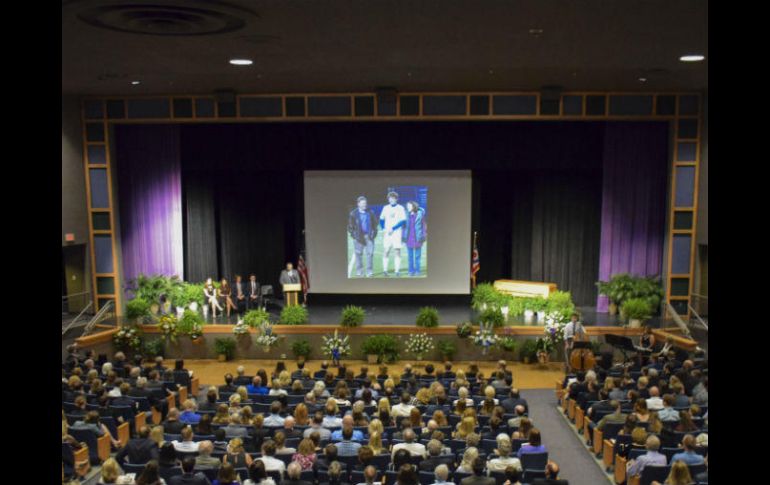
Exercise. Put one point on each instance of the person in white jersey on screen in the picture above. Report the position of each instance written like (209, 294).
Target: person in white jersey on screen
(392, 221)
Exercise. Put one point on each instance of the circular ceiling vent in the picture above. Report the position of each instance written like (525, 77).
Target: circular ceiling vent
(168, 17)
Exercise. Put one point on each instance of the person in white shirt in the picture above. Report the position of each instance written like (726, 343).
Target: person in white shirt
(654, 402)
(572, 330)
(410, 445)
(275, 419)
(462, 393)
(504, 458)
(392, 222)
(187, 445)
(268, 458)
(404, 409)
(442, 473)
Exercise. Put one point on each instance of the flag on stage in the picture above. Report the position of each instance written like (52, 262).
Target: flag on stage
(303, 270)
(475, 264)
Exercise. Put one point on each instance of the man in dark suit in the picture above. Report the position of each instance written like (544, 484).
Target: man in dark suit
(447, 374)
(123, 399)
(514, 400)
(253, 291)
(551, 472)
(321, 373)
(139, 450)
(323, 462)
(289, 275)
(494, 429)
(478, 477)
(141, 389)
(239, 291)
(441, 404)
(229, 386)
(297, 374)
(602, 406)
(293, 472)
(188, 477)
(434, 459)
(172, 425)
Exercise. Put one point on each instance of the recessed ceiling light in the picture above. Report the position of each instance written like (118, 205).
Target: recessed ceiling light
(241, 62)
(692, 58)
(491, 71)
(642, 79)
(535, 31)
(136, 82)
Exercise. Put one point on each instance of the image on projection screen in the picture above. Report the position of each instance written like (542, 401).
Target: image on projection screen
(388, 233)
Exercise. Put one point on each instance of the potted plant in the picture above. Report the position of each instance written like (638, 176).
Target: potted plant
(528, 352)
(539, 306)
(650, 289)
(224, 348)
(352, 316)
(484, 295)
(419, 344)
(293, 315)
(618, 290)
(380, 348)
(301, 350)
(529, 309)
(559, 306)
(507, 344)
(168, 327)
(447, 348)
(515, 305)
(191, 324)
(544, 346)
(485, 337)
(635, 310)
(255, 318)
(137, 310)
(427, 317)
(154, 348)
(128, 337)
(492, 316)
(464, 329)
(191, 296)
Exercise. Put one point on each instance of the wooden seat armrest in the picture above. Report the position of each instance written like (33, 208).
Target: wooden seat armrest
(171, 401)
(140, 420)
(182, 395)
(103, 449)
(124, 433)
(579, 417)
(82, 461)
(586, 429)
(195, 384)
(620, 469)
(598, 440)
(607, 453)
(571, 412)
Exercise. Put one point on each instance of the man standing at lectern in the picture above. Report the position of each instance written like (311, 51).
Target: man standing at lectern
(289, 276)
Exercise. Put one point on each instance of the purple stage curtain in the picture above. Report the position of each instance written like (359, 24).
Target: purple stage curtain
(150, 193)
(633, 200)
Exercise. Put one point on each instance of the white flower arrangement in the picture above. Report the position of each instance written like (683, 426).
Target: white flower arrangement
(335, 346)
(167, 324)
(554, 330)
(266, 338)
(419, 344)
(485, 338)
(128, 337)
(241, 328)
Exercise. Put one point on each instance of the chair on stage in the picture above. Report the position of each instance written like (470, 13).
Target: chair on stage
(266, 295)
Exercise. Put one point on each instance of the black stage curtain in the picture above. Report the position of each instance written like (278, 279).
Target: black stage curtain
(536, 199)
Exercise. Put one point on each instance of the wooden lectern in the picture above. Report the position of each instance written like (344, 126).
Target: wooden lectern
(291, 293)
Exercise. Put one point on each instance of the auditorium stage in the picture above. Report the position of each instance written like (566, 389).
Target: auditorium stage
(403, 309)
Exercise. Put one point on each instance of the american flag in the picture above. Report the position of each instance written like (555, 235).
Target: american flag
(303, 270)
(475, 263)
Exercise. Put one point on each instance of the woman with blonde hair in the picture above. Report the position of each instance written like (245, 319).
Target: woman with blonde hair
(415, 417)
(247, 416)
(110, 472)
(222, 415)
(235, 404)
(300, 415)
(243, 393)
(319, 389)
(305, 454)
(375, 442)
(156, 434)
(525, 426)
(460, 380)
(440, 418)
(654, 425)
(341, 396)
(464, 428)
(296, 388)
(463, 395)
(470, 455)
(236, 455)
(470, 412)
(284, 378)
(423, 396)
(679, 475)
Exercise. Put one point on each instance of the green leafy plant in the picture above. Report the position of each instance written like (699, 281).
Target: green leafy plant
(559, 306)
(528, 350)
(544, 344)
(150, 288)
(385, 347)
(623, 286)
(515, 305)
(537, 304)
(352, 316)
(492, 316)
(190, 324)
(464, 329)
(507, 344)
(635, 309)
(447, 348)
(188, 293)
(154, 348)
(137, 308)
(484, 293)
(225, 346)
(649, 289)
(293, 315)
(427, 317)
(301, 348)
(254, 318)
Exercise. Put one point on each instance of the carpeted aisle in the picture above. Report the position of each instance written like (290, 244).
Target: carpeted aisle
(564, 447)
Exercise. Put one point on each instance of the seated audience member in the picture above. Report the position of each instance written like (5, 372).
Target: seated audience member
(478, 477)
(274, 420)
(466, 464)
(654, 402)
(280, 444)
(150, 475)
(410, 444)
(679, 475)
(256, 387)
(210, 404)
(503, 457)
(331, 418)
(138, 450)
(228, 386)
(204, 426)
(189, 416)
(519, 412)
(688, 455)
(652, 457)
(370, 476)
(188, 476)
(512, 476)
(407, 475)
(226, 475)
(525, 427)
(305, 455)
(403, 409)
(535, 444)
(204, 458)
(347, 421)
(329, 457)
(434, 457)
(668, 413)
(258, 475)
(172, 424)
(551, 476)
(268, 458)
(91, 422)
(347, 447)
(236, 455)
(317, 425)
(293, 473)
(441, 473)
(167, 456)
(111, 474)
(186, 445)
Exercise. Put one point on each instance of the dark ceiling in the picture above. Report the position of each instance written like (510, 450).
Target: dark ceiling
(358, 45)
